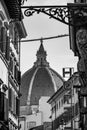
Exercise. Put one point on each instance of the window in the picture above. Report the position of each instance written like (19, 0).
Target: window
(59, 104)
(14, 68)
(11, 64)
(13, 102)
(3, 39)
(52, 110)
(17, 106)
(85, 101)
(16, 40)
(82, 1)
(7, 47)
(16, 72)
(10, 97)
(62, 101)
(3, 107)
(31, 124)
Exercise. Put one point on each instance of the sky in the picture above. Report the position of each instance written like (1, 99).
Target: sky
(58, 50)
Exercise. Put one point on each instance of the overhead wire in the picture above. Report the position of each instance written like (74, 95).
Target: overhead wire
(39, 39)
(45, 38)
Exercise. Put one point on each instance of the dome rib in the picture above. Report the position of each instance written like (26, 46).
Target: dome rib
(30, 86)
(25, 80)
(55, 88)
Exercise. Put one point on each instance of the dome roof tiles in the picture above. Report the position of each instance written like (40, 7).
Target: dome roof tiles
(43, 84)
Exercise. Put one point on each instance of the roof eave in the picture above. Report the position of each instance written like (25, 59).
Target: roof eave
(54, 95)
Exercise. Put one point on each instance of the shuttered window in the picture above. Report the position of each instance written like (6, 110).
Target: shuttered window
(1, 106)
(13, 102)
(16, 73)
(10, 97)
(7, 47)
(19, 77)
(17, 106)
(15, 39)
(11, 64)
(83, 1)
(3, 39)
(5, 109)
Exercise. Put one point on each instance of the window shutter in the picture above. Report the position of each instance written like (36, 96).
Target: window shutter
(10, 97)
(11, 64)
(15, 71)
(3, 39)
(12, 101)
(1, 106)
(17, 106)
(7, 47)
(82, 101)
(19, 77)
(5, 109)
(16, 74)
(14, 104)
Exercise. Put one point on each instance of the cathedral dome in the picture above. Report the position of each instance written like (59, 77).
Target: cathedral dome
(40, 80)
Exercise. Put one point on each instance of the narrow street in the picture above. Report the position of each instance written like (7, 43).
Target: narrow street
(43, 65)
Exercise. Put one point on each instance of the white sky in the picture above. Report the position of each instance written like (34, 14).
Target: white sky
(59, 54)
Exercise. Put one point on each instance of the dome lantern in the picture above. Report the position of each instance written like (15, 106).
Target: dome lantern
(41, 56)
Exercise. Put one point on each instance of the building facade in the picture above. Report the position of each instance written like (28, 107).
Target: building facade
(69, 103)
(11, 32)
(65, 106)
(78, 44)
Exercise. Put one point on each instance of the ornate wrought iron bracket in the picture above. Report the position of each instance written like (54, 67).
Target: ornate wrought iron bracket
(65, 14)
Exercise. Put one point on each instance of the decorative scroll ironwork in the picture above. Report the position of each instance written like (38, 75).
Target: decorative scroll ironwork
(64, 14)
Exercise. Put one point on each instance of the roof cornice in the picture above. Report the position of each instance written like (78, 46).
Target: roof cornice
(21, 29)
